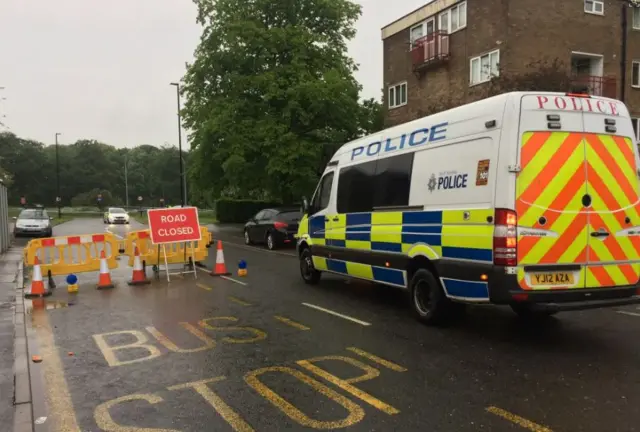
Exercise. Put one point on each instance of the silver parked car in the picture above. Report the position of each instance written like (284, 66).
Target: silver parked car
(33, 222)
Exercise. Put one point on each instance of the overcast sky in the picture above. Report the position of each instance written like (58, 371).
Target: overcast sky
(101, 70)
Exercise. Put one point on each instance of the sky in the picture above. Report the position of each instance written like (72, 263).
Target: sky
(102, 70)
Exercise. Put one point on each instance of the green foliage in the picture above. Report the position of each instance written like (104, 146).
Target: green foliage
(271, 95)
(88, 166)
(239, 210)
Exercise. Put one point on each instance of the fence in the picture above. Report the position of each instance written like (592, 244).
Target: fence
(5, 236)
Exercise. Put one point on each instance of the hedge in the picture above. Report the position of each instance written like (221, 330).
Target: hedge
(239, 210)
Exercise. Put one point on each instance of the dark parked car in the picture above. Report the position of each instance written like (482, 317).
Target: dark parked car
(274, 227)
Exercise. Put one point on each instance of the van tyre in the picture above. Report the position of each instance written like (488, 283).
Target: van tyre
(308, 272)
(428, 301)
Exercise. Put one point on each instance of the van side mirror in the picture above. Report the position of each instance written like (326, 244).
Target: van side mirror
(14, 218)
(305, 205)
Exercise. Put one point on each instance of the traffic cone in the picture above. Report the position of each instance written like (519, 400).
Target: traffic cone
(139, 276)
(104, 280)
(220, 269)
(37, 288)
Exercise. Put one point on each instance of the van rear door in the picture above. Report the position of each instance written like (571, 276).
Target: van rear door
(612, 184)
(550, 189)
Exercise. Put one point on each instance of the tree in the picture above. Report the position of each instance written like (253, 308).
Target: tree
(270, 90)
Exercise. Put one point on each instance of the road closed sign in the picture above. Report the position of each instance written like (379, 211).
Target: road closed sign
(174, 225)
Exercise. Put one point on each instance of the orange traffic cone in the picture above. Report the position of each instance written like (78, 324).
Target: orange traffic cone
(139, 276)
(104, 280)
(37, 288)
(220, 269)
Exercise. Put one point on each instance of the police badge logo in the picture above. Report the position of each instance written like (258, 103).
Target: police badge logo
(432, 183)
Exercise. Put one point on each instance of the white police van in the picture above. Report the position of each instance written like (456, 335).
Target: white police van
(524, 199)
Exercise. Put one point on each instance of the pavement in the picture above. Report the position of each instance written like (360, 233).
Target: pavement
(266, 352)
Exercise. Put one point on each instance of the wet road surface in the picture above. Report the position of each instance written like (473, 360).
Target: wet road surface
(266, 352)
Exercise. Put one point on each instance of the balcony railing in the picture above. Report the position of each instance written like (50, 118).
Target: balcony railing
(430, 49)
(596, 85)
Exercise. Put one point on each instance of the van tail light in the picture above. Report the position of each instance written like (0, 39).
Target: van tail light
(280, 225)
(505, 238)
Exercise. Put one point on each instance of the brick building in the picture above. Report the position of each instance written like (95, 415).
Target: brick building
(451, 48)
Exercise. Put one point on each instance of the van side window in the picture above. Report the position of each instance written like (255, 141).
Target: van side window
(323, 194)
(356, 188)
(393, 181)
(382, 183)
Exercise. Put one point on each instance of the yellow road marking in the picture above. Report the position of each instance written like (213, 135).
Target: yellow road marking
(291, 323)
(236, 422)
(208, 342)
(103, 418)
(109, 351)
(629, 313)
(345, 384)
(520, 421)
(355, 412)
(204, 287)
(238, 301)
(375, 358)
(58, 395)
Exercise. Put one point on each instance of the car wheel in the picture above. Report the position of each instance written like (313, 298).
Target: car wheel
(271, 242)
(529, 311)
(428, 301)
(247, 239)
(308, 272)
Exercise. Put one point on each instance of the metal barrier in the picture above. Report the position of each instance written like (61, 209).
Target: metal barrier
(72, 254)
(176, 252)
(5, 233)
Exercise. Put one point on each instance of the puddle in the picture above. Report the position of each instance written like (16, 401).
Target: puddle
(35, 304)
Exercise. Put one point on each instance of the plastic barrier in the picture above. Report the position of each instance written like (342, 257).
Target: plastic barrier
(72, 254)
(176, 252)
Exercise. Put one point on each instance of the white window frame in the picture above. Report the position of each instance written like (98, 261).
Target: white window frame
(635, 84)
(479, 60)
(636, 122)
(593, 10)
(423, 24)
(449, 12)
(395, 87)
(635, 17)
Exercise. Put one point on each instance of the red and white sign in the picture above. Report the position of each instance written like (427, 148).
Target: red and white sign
(174, 225)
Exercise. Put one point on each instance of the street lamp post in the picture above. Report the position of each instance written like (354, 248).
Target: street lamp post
(182, 192)
(58, 177)
(126, 182)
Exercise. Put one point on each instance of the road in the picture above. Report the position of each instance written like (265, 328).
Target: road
(266, 352)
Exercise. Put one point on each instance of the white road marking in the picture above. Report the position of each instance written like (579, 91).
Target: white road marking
(629, 313)
(223, 277)
(241, 246)
(364, 323)
(117, 235)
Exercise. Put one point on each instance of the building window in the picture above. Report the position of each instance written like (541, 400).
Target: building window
(635, 123)
(454, 18)
(636, 18)
(635, 74)
(594, 7)
(484, 67)
(398, 95)
(423, 29)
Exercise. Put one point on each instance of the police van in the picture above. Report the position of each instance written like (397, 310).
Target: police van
(523, 199)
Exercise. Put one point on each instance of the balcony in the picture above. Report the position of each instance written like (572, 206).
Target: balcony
(595, 85)
(430, 50)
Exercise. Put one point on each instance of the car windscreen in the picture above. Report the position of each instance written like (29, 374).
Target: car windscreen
(116, 210)
(289, 216)
(33, 214)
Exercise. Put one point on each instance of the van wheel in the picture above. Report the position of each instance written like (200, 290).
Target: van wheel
(308, 272)
(529, 311)
(428, 301)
